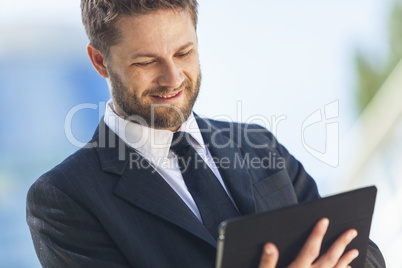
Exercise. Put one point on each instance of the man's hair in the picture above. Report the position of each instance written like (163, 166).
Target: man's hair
(100, 17)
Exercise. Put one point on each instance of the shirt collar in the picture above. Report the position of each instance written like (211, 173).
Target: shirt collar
(149, 142)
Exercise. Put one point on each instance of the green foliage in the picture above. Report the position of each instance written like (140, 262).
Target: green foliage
(370, 78)
(395, 26)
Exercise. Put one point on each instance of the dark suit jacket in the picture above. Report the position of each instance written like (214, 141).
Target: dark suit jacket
(100, 208)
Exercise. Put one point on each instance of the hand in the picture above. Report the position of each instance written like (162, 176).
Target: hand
(334, 257)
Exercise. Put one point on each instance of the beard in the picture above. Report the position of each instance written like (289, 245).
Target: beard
(160, 116)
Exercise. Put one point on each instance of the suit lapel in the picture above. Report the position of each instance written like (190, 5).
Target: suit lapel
(143, 186)
(228, 154)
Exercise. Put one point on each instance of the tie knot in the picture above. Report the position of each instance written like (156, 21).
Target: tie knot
(180, 141)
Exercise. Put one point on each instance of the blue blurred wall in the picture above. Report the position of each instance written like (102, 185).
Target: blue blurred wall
(38, 88)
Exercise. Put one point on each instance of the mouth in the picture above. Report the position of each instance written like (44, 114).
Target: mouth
(169, 96)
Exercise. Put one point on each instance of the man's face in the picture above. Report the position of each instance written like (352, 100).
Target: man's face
(154, 70)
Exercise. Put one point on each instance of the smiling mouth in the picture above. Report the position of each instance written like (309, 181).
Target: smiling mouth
(168, 96)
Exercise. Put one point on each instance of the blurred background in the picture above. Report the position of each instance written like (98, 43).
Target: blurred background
(324, 76)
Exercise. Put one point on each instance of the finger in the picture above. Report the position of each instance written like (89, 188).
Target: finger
(334, 253)
(311, 249)
(347, 258)
(269, 257)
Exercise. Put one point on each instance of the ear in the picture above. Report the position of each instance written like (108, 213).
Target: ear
(98, 60)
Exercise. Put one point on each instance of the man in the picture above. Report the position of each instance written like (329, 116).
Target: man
(127, 199)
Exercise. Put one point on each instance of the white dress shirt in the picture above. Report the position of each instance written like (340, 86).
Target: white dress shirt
(154, 145)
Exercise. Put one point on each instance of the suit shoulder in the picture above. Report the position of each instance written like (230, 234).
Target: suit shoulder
(83, 159)
(253, 132)
(228, 124)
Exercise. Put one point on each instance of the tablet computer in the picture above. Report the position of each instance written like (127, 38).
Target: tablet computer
(241, 240)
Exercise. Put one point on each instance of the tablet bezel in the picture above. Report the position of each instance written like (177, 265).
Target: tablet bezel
(241, 240)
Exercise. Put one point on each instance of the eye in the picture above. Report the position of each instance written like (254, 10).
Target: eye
(143, 64)
(182, 55)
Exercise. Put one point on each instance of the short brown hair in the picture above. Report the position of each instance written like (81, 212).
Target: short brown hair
(100, 17)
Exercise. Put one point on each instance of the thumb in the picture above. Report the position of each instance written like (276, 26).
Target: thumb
(269, 256)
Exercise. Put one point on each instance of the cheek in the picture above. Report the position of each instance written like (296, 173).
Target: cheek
(136, 83)
(192, 69)
(196, 65)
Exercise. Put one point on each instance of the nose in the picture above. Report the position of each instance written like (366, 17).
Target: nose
(171, 76)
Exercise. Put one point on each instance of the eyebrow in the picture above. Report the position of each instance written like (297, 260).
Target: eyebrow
(150, 55)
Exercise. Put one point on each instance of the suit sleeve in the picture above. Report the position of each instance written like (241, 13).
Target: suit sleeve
(65, 234)
(306, 190)
(374, 258)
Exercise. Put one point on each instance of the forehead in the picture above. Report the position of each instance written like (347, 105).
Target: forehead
(161, 32)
